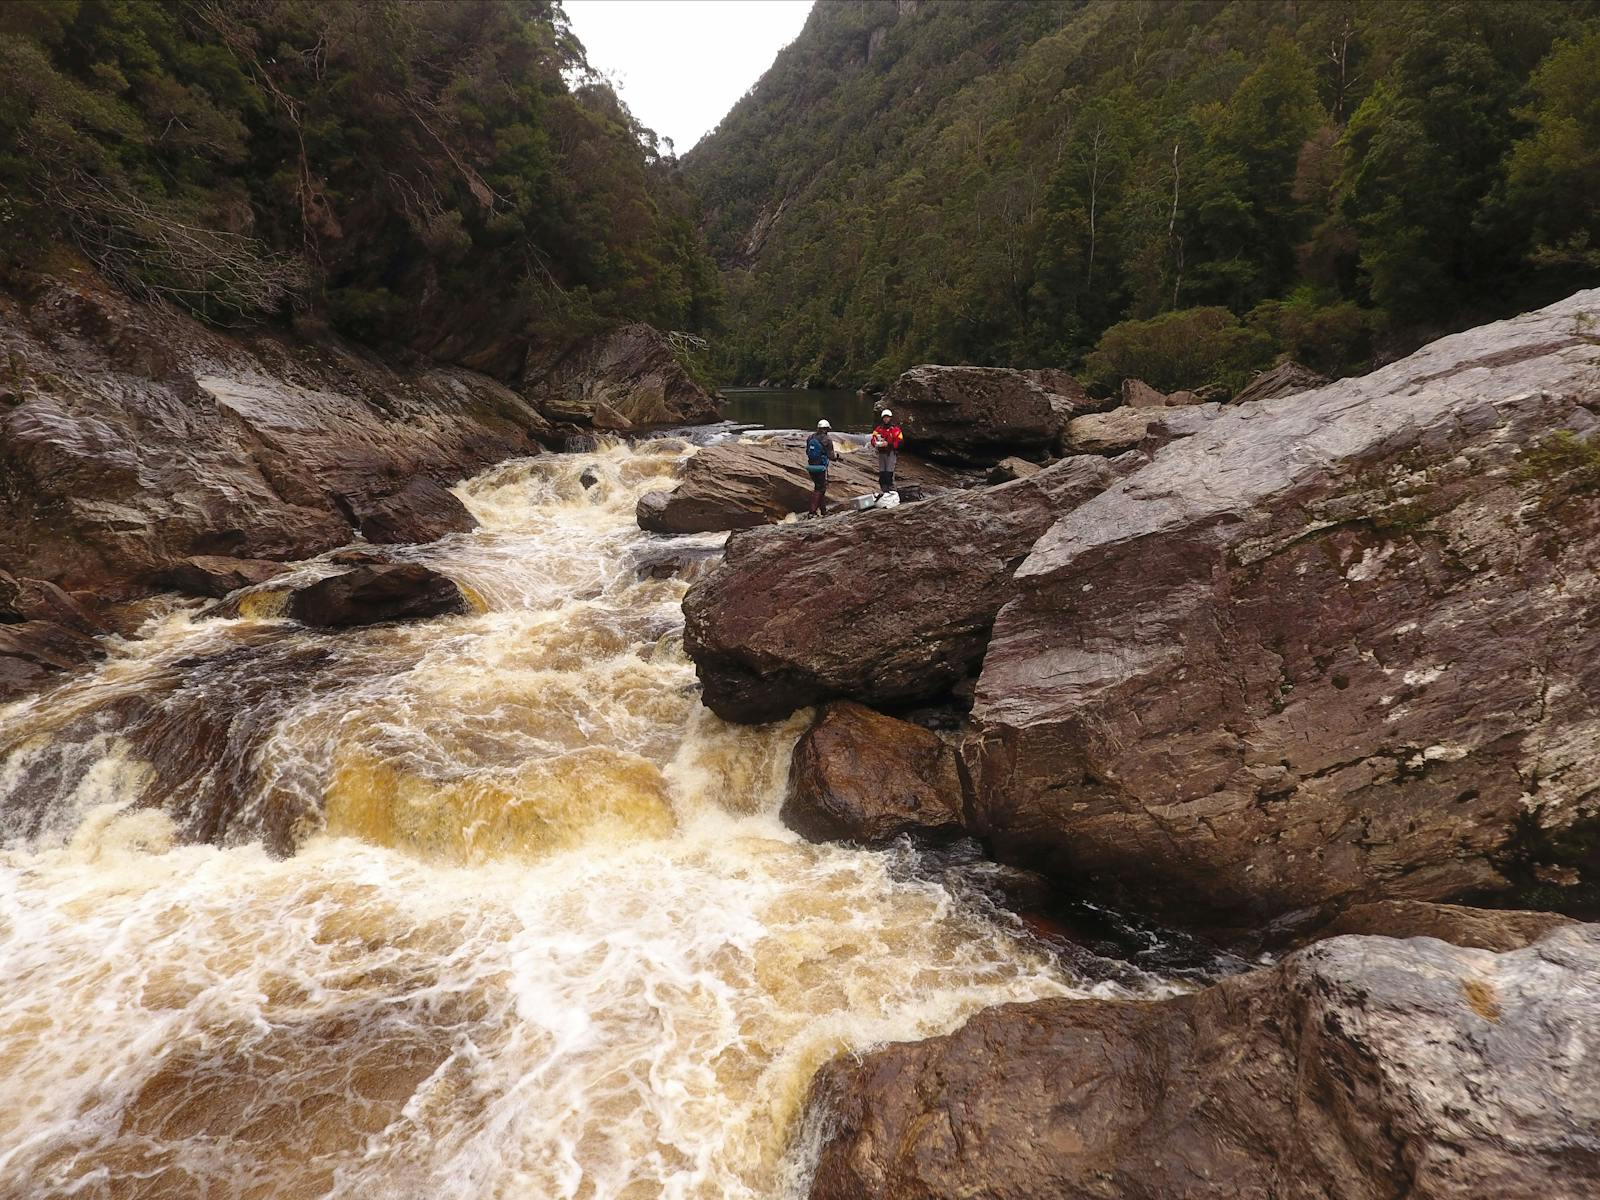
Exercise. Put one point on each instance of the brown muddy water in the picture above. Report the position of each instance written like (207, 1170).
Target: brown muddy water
(478, 907)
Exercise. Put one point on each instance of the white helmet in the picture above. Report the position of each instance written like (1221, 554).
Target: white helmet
(885, 415)
(823, 424)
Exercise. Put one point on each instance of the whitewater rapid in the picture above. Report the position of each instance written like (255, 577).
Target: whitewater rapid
(477, 907)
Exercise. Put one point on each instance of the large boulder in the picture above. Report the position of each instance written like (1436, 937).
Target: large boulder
(1359, 1069)
(983, 414)
(138, 438)
(1008, 469)
(1124, 429)
(217, 575)
(1136, 393)
(860, 776)
(1335, 647)
(739, 485)
(368, 595)
(886, 607)
(423, 510)
(629, 373)
(1109, 432)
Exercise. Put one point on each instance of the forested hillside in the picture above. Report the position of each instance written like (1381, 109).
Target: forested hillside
(451, 177)
(1183, 189)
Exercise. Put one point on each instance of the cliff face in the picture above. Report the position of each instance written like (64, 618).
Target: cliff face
(132, 437)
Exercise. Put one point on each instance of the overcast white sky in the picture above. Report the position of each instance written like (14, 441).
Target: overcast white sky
(680, 65)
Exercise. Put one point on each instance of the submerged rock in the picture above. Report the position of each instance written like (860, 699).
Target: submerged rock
(983, 414)
(860, 776)
(1335, 647)
(1361, 1068)
(624, 379)
(368, 595)
(886, 607)
(740, 485)
(673, 559)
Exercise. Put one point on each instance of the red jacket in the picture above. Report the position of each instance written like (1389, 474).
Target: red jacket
(887, 437)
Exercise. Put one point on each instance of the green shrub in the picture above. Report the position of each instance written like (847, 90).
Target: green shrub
(1188, 348)
(1334, 338)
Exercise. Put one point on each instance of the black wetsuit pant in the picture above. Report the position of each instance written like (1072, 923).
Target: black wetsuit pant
(819, 490)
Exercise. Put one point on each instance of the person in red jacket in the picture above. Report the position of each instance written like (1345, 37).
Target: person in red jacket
(886, 439)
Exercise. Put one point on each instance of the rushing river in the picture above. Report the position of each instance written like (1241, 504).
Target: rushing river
(478, 907)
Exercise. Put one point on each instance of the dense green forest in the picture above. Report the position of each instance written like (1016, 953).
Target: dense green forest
(448, 176)
(1178, 188)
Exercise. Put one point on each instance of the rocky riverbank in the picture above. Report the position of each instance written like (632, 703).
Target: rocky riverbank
(1292, 669)
(1362, 1067)
(1331, 647)
(141, 450)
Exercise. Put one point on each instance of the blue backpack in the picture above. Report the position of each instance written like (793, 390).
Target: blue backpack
(816, 456)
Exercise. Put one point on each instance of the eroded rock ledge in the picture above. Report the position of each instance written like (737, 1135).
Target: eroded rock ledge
(1361, 1068)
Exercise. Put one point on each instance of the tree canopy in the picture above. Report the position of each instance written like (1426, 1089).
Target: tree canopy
(999, 183)
(451, 176)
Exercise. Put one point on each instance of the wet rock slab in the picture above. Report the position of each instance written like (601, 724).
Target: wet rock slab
(372, 594)
(1361, 1068)
(740, 485)
(140, 438)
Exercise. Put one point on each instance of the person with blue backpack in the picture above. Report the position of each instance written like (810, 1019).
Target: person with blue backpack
(820, 452)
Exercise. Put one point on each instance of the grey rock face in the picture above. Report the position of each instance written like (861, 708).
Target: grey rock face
(888, 606)
(1359, 1069)
(1339, 646)
(629, 373)
(142, 438)
(983, 414)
